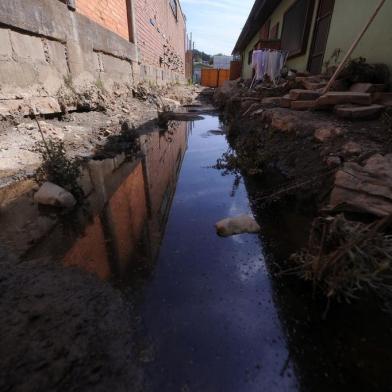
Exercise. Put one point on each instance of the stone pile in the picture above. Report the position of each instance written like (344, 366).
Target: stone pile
(361, 101)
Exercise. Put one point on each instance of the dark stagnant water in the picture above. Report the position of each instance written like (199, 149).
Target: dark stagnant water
(211, 316)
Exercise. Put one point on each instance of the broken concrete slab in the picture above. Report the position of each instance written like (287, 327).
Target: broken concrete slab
(41, 105)
(304, 95)
(303, 105)
(45, 105)
(365, 189)
(358, 112)
(367, 88)
(344, 97)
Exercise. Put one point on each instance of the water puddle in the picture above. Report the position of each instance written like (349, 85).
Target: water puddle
(207, 307)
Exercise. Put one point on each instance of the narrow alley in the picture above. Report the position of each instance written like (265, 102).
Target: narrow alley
(195, 196)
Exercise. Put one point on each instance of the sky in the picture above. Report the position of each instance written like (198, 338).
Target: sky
(216, 24)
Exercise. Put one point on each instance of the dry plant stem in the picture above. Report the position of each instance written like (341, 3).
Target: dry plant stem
(40, 130)
(340, 253)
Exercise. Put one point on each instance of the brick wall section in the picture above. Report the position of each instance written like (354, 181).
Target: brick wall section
(163, 38)
(111, 14)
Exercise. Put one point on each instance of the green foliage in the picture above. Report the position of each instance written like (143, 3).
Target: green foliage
(99, 85)
(199, 57)
(56, 167)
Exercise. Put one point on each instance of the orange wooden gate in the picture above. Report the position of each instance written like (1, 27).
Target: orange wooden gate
(211, 77)
(223, 75)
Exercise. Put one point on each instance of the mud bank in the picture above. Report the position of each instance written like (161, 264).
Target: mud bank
(63, 330)
(311, 161)
(87, 124)
(290, 170)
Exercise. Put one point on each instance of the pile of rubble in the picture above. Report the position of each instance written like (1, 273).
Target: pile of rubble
(360, 101)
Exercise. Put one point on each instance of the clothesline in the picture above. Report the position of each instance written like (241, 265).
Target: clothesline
(268, 62)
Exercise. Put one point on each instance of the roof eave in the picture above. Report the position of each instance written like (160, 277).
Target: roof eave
(261, 11)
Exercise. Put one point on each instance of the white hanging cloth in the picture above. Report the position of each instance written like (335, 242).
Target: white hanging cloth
(268, 62)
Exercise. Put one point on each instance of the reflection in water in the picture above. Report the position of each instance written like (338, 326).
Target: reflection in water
(129, 203)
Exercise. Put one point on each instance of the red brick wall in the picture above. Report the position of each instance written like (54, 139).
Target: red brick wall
(160, 36)
(111, 14)
(165, 39)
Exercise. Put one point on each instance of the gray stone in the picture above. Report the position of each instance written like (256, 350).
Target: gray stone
(53, 195)
(237, 225)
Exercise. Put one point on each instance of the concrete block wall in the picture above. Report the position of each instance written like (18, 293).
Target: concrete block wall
(44, 45)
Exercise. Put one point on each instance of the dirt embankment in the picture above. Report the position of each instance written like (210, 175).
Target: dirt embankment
(333, 170)
(86, 123)
(62, 329)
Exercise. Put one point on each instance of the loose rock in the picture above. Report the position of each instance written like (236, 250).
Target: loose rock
(237, 225)
(365, 189)
(53, 195)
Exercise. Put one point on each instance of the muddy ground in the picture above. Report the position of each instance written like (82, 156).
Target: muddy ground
(291, 158)
(62, 329)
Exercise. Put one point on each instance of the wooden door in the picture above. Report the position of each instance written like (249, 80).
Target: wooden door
(320, 36)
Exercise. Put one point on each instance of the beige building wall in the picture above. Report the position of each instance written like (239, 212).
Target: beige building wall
(299, 63)
(349, 17)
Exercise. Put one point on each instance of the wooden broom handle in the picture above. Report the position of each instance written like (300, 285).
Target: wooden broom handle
(353, 46)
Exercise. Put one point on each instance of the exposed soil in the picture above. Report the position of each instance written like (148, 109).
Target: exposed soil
(288, 160)
(63, 330)
(97, 117)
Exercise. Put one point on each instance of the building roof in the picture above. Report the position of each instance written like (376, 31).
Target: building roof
(259, 14)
